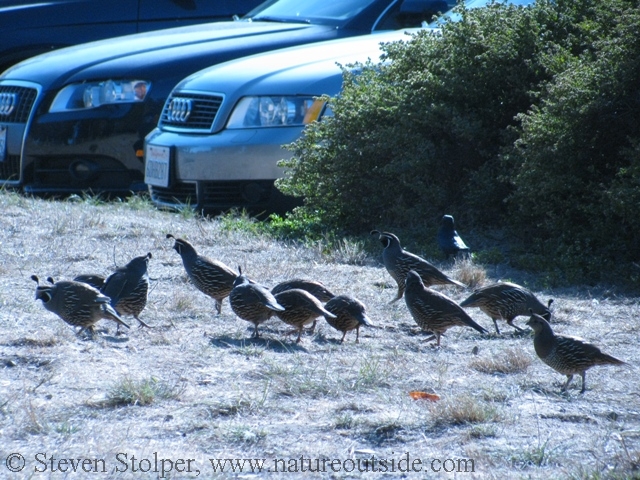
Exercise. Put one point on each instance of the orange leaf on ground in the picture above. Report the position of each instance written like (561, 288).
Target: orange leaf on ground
(417, 395)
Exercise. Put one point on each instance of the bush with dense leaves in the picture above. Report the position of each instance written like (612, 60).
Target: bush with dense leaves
(432, 129)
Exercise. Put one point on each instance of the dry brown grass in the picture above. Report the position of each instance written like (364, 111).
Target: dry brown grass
(197, 387)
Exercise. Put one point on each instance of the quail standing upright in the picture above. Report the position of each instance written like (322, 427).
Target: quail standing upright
(300, 309)
(434, 311)
(350, 315)
(448, 239)
(128, 287)
(566, 355)
(252, 302)
(315, 288)
(506, 301)
(78, 304)
(211, 277)
(399, 262)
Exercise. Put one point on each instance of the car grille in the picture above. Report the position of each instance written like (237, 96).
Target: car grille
(23, 97)
(214, 195)
(179, 195)
(202, 110)
(10, 168)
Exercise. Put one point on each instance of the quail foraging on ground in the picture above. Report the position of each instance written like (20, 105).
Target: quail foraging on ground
(252, 302)
(128, 287)
(566, 355)
(300, 309)
(448, 239)
(95, 280)
(434, 311)
(77, 303)
(317, 289)
(350, 315)
(211, 277)
(398, 262)
(505, 300)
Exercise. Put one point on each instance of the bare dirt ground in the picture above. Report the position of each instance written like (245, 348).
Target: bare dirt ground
(177, 400)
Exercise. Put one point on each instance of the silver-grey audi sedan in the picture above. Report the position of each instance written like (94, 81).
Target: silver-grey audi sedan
(221, 132)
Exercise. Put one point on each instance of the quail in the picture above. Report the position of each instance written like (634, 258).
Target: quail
(252, 302)
(317, 289)
(434, 311)
(398, 262)
(565, 354)
(211, 277)
(78, 304)
(128, 288)
(350, 315)
(505, 300)
(448, 239)
(300, 309)
(95, 280)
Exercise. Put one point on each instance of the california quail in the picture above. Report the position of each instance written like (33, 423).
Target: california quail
(434, 311)
(128, 287)
(211, 277)
(350, 315)
(96, 281)
(300, 308)
(448, 239)
(252, 302)
(504, 300)
(317, 289)
(566, 355)
(77, 303)
(398, 262)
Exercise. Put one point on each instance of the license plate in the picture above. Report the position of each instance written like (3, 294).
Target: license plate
(3, 143)
(157, 163)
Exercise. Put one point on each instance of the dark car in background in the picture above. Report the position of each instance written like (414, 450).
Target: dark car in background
(29, 27)
(74, 120)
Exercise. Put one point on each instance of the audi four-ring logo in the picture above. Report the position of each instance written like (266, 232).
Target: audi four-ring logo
(180, 109)
(8, 102)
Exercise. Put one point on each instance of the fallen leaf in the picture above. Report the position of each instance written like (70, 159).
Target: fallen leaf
(417, 395)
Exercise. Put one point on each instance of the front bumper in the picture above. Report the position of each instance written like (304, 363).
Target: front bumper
(96, 150)
(230, 169)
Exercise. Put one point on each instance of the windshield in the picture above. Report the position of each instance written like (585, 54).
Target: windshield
(322, 12)
(454, 16)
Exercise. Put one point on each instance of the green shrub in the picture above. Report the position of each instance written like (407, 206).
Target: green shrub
(516, 117)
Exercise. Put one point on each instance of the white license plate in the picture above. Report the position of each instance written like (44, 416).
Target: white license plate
(157, 165)
(3, 143)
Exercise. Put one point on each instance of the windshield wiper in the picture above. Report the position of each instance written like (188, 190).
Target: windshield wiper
(280, 20)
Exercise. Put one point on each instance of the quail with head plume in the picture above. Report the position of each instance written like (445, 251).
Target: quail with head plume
(128, 287)
(398, 262)
(252, 302)
(566, 355)
(448, 239)
(211, 277)
(505, 300)
(434, 311)
(77, 303)
(300, 309)
(317, 289)
(350, 315)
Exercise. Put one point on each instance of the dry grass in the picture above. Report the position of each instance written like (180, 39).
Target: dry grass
(197, 387)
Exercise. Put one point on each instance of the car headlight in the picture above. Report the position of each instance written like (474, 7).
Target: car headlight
(275, 111)
(79, 96)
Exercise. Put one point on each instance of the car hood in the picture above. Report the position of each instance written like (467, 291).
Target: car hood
(308, 69)
(131, 54)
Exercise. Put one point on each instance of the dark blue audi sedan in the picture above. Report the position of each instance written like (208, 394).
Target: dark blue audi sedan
(74, 120)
